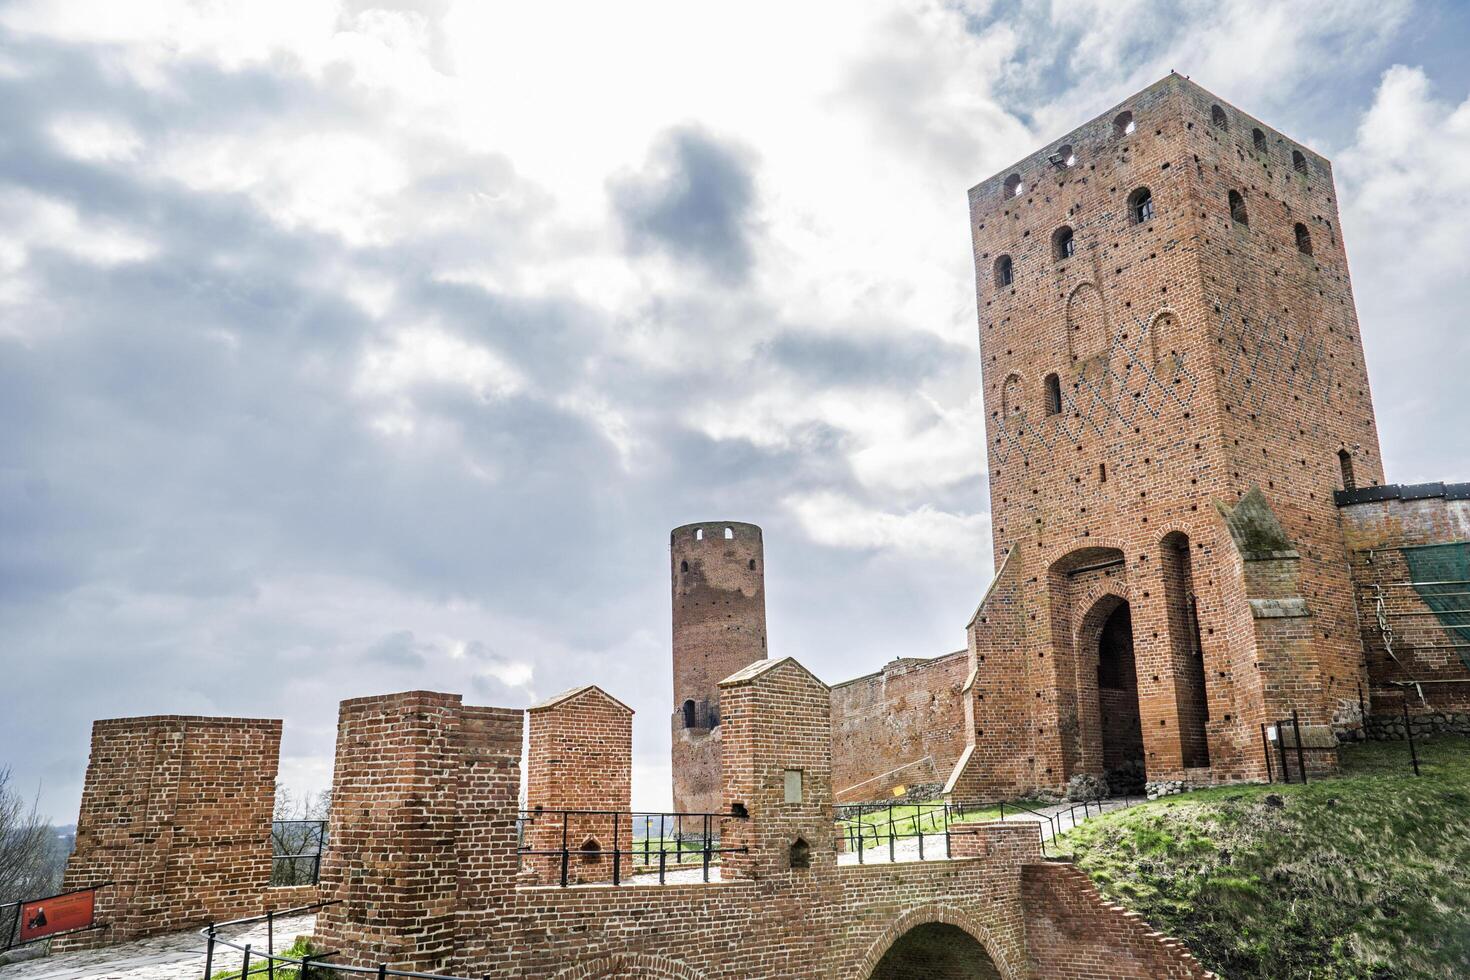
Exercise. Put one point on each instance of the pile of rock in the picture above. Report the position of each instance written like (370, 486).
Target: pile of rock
(1156, 788)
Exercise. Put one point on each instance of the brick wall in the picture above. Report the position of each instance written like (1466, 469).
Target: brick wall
(1072, 931)
(422, 842)
(1377, 524)
(579, 757)
(176, 811)
(902, 726)
(719, 626)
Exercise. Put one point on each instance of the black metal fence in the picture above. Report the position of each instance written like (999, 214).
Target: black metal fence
(297, 847)
(263, 964)
(644, 844)
(873, 829)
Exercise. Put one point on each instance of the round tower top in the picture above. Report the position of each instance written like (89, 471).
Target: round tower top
(712, 532)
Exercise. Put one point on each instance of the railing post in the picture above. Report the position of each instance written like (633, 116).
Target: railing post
(1301, 753)
(617, 850)
(1266, 751)
(209, 954)
(921, 839)
(1409, 731)
(245, 964)
(706, 847)
(860, 835)
(891, 857)
(382, 971)
(270, 944)
(305, 967)
(1281, 749)
(565, 854)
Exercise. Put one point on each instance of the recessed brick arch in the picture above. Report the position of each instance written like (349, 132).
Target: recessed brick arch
(634, 966)
(926, 915)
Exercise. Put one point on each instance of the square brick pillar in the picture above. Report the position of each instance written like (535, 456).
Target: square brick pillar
(176, 811)
(777, 765)
(422, 840)
(579, 757)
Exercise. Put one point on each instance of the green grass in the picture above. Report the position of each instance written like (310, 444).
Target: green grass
(258, 968)
(1360, 876)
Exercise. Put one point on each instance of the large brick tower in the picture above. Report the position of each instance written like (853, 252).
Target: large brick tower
(718, 574)
(1174, 386)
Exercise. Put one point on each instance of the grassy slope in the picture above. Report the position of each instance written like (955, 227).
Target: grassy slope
(1366, 875)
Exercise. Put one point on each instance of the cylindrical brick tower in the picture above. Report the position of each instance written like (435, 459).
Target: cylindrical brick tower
(717, 571)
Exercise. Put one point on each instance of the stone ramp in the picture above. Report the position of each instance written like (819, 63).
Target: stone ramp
(172, 956)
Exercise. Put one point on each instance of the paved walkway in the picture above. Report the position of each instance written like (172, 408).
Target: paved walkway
(175, 956)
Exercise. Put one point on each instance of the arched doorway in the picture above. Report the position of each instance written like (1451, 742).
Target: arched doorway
(936, 950)
(1117, 701)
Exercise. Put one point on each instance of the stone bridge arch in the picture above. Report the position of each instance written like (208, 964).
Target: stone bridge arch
(1006, 962)
(629, 966)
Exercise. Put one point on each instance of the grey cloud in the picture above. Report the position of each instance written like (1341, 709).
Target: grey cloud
(887, 358)
(397, 649)
(693, 201)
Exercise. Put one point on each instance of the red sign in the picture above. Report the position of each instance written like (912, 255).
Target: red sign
(60, 913)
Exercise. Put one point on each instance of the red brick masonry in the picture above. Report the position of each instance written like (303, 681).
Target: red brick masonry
(176, 810)
(424, 862)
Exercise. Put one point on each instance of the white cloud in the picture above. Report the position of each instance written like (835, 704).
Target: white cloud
(837, 521)
(422, 355)
(96, 139)
(31, 222)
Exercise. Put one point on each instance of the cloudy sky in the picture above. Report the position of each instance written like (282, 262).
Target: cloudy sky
(347, 349)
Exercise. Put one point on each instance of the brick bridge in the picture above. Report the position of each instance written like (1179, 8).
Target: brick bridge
(424, 860)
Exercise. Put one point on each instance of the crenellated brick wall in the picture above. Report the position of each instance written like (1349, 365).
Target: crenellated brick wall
(176, 812)
(424, 855)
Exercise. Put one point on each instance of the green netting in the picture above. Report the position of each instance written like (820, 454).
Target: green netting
(1441, 576)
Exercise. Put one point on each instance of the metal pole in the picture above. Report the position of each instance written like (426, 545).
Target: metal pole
(245, 964)
(891, 856)
(706, 848)
(565, 855)
(1301, 753)
(617, 850)
(382, 971)
(209, 954)
(1266, 751)
(1281, 748)
(305, 967)
(270, 944)
(860, 835)
(1409, 731)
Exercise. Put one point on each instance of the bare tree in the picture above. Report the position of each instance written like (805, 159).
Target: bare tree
(28, 863)
(298, 835)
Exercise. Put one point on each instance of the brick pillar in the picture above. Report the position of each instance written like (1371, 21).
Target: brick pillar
(176, 811)
(422, 827)
(580, 757)
(778, 722)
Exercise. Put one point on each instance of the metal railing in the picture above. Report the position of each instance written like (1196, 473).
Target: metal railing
(297, 847)
(254, 963)
(868, 827)
(676, 840)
